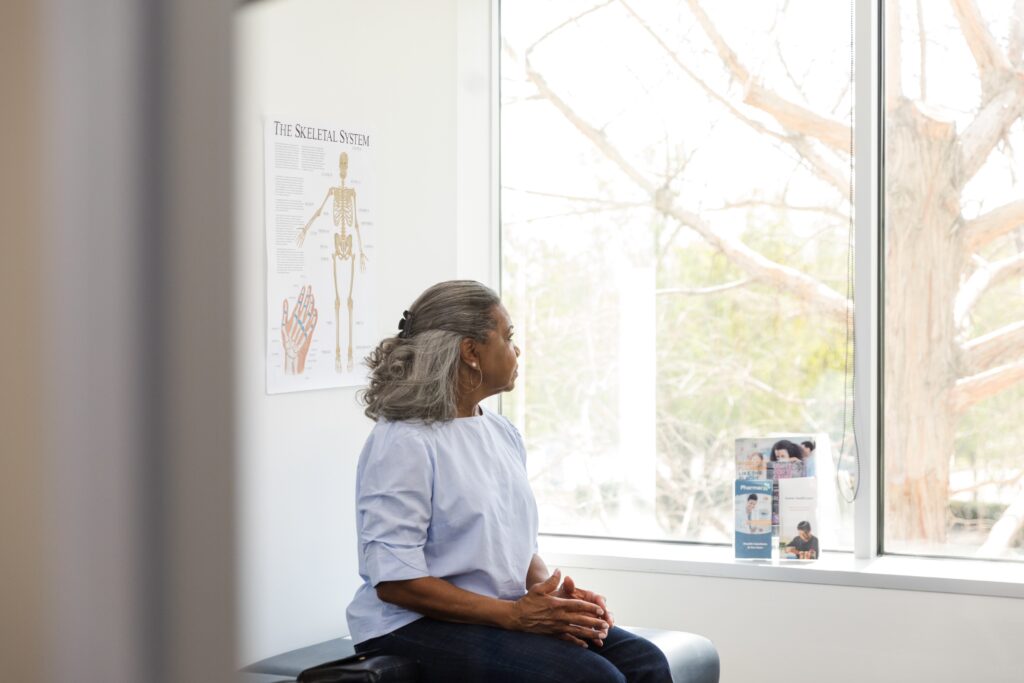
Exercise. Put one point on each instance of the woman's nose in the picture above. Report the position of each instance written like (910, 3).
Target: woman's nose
(517, 350)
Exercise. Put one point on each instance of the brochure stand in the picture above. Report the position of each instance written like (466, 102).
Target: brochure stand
(776, 498)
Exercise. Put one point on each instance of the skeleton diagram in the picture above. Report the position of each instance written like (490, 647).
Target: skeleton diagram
(345, 220)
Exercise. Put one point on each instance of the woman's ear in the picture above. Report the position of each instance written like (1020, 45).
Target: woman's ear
(470, 354)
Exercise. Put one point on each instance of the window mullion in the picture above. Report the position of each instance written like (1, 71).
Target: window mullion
(867, 173)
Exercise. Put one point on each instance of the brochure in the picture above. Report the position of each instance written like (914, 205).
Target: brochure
(752, 458)
(798, 519)
(753, 519)
(780, 470)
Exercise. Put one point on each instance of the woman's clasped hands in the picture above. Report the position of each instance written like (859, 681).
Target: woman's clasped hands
(564, 610)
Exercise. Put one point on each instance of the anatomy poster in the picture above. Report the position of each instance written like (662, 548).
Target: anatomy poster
(321, 261)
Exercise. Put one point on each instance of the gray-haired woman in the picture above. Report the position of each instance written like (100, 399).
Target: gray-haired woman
(447, 523)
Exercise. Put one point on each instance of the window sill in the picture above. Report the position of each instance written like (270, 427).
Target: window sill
(967, 577)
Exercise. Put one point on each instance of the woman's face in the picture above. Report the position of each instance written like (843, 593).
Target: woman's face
(781, 454)
(499, 355)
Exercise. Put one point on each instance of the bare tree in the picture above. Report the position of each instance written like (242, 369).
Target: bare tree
(933, 279)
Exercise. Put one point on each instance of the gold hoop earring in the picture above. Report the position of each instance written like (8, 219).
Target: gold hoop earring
(478, 384)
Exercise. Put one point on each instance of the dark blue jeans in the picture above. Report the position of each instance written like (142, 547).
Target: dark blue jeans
(449, 652)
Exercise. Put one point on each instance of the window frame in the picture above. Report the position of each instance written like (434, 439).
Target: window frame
(868, 313)
(868, 565)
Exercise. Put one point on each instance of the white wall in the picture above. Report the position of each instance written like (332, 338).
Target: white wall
(417, 74)
(837, 633)
(390, 67)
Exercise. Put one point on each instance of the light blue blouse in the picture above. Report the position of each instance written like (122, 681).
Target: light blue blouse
(450, 500)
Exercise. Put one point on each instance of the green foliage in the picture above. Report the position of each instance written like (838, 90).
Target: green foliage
(741, 362)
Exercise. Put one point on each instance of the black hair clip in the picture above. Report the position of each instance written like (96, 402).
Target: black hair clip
(403, 333)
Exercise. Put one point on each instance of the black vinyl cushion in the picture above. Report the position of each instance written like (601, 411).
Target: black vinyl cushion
(692, 658)
(295, 662)
(366, 668)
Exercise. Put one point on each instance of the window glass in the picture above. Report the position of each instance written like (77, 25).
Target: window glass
(675, 181)
(954, 297)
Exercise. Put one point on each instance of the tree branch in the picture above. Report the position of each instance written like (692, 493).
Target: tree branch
(793, 117)
(751, 203)
(893, 55)
(578, 212)
(837, 177)
(1015, 51)
(1005, 529)
(577, 198)
(993, 224)
(990, 126)
(590, 132)
(571, 20)
(1010, 481)
(923, 47)
(998, 346)
(981, 281)
(990, 59)
(801, 145)
(971, 390)
(800, 120)
(821, 297)
(793, 80)
(772, 391)
(704, 290)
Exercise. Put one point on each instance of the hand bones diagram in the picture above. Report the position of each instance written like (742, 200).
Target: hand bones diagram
(297, 330)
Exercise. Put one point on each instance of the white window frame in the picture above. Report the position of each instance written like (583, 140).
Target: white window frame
(867, 230)
(866, 566)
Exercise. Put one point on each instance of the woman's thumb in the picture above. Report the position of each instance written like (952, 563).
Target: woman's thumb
(551, 585)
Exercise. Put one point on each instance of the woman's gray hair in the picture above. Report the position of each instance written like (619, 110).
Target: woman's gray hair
(415, 375)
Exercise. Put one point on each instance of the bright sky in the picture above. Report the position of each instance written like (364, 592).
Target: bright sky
(613, 73)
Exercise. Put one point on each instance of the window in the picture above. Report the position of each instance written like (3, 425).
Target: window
(676, 253)
(675, 243)
(954, 296)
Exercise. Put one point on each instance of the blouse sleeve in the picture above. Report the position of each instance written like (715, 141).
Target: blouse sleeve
(393, 506)
(517, 437)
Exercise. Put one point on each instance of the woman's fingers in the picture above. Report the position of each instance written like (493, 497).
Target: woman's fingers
(573, 605)
(587, 632)
(541, 612)
(591, 596)
(598, 600)
(583, 620)
(573, 639)
(583, 613)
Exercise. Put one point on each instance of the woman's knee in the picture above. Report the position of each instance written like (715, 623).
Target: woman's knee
(600, 671)
(636, 657)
